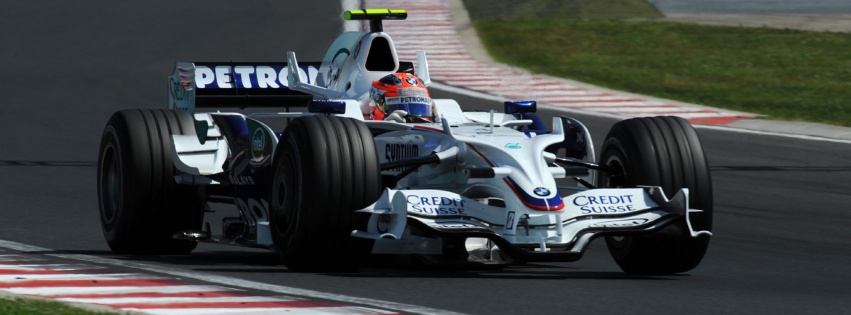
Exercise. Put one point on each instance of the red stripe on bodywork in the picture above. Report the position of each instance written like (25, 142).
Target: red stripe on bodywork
(428, 128)
(526, 203)
(481, 155)
(516, 192)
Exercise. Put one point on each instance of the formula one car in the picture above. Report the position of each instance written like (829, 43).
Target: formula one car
(332, 187)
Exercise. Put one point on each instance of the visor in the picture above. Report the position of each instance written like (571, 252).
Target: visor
(418, 106)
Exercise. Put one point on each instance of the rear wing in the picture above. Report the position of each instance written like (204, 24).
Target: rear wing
(236, 84)
(240, 85)
(266, 84)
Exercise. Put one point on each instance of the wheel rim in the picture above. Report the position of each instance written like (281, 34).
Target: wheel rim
(110, 183)
(283, 198)
(617, 178)
(618, 175)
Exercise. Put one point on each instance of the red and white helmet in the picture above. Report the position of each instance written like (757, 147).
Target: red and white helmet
(401, 91)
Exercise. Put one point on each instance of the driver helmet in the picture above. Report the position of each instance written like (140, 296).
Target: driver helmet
(401, 91)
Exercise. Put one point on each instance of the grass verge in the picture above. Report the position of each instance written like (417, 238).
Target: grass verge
(784, 74)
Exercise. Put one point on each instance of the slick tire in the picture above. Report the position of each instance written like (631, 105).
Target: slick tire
(665, 152)
(325, 168)
(141, 206)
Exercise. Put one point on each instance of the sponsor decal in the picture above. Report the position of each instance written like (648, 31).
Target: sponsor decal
(604, 204)
(258, 209)
(411, 80)
(241, 180)
(487, 134)
(509, 221)
(541, 191)
(408, 100)
(264, 77)
(181, 84)
(619, 223)
(453, 225)
(411, 91)
(554, 203)
(258, 143)
(434, 205)
(512, 146)
(400, 151)
(178, 91)
(186, 74)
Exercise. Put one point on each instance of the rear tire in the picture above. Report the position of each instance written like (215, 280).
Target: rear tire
(141, 206)
(325, 168)
(665, 152)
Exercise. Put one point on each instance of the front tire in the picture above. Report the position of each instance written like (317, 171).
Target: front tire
(325, 168)
(665, 152)
(141, 206)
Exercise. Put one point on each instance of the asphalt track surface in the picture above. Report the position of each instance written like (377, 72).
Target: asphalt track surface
(783, 205)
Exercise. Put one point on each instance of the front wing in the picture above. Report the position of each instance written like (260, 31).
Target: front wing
(523, 234)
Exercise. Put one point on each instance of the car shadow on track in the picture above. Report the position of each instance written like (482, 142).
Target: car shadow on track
(781, 168)
(198, 260)
(516, 271)
(258, 262)
(48, 163)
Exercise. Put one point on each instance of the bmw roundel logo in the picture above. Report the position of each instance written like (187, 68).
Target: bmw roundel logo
(541, 191)
(411, 80)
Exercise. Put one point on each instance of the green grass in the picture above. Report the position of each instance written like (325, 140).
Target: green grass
(25, 306)
(785, 74)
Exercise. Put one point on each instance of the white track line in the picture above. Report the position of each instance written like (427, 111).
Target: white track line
(10, 279)
(54, 267)
(59, 291)
(251, 311)
(167, 300)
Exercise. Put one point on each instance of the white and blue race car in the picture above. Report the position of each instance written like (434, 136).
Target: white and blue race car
(332, 187)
